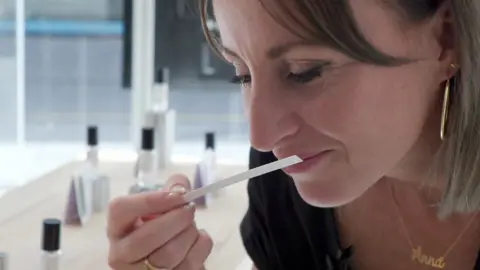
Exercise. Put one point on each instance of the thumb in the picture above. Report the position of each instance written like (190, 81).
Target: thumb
(178, 183)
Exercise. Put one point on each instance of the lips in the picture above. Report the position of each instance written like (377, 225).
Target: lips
(309, 161)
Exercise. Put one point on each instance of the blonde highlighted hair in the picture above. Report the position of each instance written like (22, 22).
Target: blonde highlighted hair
(333, 23)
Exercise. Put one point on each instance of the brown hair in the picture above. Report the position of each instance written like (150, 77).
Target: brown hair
(333, 22)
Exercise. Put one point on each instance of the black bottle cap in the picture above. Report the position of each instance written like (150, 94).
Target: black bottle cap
(148, 139)
(92, 136)
(51, 234)
(162, 75)
(210, 140)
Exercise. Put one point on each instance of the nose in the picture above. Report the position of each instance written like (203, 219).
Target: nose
(271, 119)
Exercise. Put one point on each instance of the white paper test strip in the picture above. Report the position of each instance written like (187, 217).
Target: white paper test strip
(270, 167)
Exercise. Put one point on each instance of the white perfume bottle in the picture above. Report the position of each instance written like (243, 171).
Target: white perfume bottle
(205, 172)
(80, 206)
(210, 161)
(145, 169)
(89, 188)
(3, 261)
(51, 252)
(100, 183)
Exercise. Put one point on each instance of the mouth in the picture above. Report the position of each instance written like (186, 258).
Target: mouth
(308, 163)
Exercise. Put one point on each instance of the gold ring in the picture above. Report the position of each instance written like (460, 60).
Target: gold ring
(149, 266)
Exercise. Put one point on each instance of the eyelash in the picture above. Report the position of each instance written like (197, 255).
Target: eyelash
(301, 78)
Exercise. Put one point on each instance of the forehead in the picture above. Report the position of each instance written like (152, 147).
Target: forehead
(250, 24)
(246, 21)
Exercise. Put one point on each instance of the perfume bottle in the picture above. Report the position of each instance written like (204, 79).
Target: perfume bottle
(3, 261)
(210, 160)
(146, 174)
(205, 171)
(92, 146)
(50, 257)
(160, 90)
(80, 201)
(100, 183)
(89, 188)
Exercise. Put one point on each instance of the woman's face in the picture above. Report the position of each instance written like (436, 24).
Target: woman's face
(358, 121)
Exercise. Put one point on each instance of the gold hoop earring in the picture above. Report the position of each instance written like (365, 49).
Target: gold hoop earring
(445, 108)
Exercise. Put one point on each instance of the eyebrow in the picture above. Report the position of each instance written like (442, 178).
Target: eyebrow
(276, 51)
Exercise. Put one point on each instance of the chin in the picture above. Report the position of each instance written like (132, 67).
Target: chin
(325, 193)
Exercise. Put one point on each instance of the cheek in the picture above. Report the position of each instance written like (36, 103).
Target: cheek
(376, 114)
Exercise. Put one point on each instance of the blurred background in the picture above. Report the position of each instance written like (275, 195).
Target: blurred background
(66, 64)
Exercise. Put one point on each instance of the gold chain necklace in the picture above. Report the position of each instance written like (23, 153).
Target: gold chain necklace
(417, 252)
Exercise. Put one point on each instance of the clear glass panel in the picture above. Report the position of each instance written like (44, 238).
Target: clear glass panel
(74, 68)
(200, 90)
(209, 106)
(201, 94)
(8, 73)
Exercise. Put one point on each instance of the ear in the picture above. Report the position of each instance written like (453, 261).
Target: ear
(446, 35)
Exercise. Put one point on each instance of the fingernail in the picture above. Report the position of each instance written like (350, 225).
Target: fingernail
(190, 205)
(177, 189)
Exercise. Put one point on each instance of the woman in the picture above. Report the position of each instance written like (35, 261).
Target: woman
(382, 100)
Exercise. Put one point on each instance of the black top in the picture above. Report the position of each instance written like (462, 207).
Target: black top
(163, 75)
(51, 235)
(210, 140)
(92, 136)
(282, 232)
(148, 139)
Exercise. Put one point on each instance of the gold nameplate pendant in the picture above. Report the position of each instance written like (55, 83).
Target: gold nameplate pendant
(419, 257)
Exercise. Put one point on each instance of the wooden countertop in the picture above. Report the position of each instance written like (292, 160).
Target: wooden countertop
(84, 248)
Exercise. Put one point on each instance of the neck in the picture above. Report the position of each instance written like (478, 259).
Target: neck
(417, 171)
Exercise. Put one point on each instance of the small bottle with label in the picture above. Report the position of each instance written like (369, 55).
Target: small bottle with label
(92, 146)
(205, 172)
(146, 173)
(51, 244)
(210, 160)
(100, 182)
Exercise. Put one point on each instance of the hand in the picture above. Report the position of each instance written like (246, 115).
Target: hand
(158, 227)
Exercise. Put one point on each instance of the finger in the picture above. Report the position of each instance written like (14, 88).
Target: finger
(172, 253)
(154, 234)
(198, 254)
(177, 183)
(125, 211)
(116, 263)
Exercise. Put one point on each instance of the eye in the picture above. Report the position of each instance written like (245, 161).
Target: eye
(241, 79)
(306, 76)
